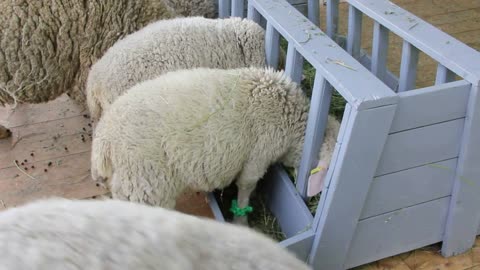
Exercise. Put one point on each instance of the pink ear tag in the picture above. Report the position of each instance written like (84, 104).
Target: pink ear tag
(317, 179)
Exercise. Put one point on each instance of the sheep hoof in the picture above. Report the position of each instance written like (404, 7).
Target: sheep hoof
(5, 132)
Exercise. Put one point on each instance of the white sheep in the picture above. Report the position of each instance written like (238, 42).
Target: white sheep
(202, 129)
(54, 234)
(47, 48)
(169, 45)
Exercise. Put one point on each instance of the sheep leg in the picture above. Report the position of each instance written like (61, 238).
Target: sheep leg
(246, 183)
(243, 199)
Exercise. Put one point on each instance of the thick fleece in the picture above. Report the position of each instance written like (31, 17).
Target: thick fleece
(169, 45)
(56, 234)
(202, 129)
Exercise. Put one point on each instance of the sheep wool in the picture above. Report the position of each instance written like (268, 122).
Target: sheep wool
(169, 45)
(189, 8)
(202, 129)
(54, 234)
(46, 49)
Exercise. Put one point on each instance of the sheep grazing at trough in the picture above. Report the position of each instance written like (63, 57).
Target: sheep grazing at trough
(47, 49)
(168, 45)
(71, 234)
(202, 129)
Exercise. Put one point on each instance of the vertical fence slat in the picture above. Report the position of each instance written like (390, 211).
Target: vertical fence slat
(464, 212)
(444, 75)
(294, 64)
(253, 14)
(224, 8)
(314, 133)
(238, 7)
(408, 67)
(354, 38)
(313, 12)
(332, 18)
(272, 45)
(379, 50)
(336, 220)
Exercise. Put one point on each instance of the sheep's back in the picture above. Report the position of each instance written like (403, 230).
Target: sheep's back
(190, 124)
(65, 234)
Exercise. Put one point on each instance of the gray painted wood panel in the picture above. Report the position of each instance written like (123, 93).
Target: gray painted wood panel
(444, 75)
(355, 83)
(294, 64)
(285, 202)
(390, 79)
(363, 141)
(464, 210)
(332, 18)
(354, 37)
(300, 244)
(408, 67)
(416, 147)
(212, 202)
(448, 51)
(410, 187)
(315, 131)
(431, 105)
(397, 232)
(379, 51)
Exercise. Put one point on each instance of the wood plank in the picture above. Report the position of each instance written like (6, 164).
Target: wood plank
(299, 244)
(444, 75)
(354, 32)
(427, 38)
(27, 114)
(315, 131)
(238, 8)
(294, 65)
(272, 45)
(379, 51)
(285, 202)
(410, 187)
(313, 11)
(61, 179)
(408, 67)
(431, 105)
(396, 232)
(46, 140)
(332, 18)
(464, 212)
(354, 170)
(416, 147)
(355, 83)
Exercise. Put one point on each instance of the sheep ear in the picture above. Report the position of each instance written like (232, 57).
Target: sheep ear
(316, 180)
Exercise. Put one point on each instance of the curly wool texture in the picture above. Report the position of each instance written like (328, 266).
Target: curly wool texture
(68, 234)
(47, 47)
(189, 8)
(169, 45)
(201, 129)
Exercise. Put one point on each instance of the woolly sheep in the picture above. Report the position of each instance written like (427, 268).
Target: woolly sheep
(169, 45)
(189, 8)
(201, 129)
(70, 234)
(47, 49)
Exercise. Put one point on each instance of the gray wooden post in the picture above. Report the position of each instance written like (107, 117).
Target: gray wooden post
(463, 219)
(361, 145)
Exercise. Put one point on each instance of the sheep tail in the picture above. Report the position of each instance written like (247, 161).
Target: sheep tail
(101, 162)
